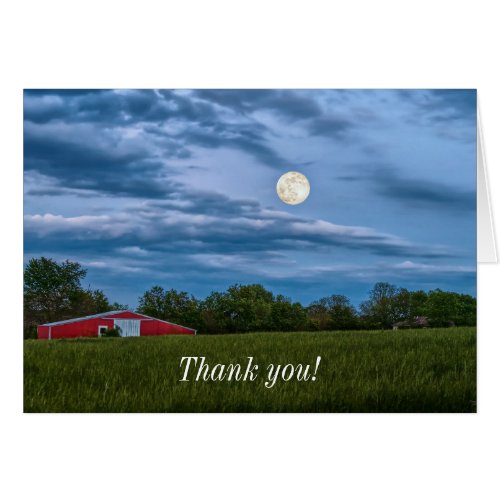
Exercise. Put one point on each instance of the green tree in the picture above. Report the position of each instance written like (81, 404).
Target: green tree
(287, 315)
(241, 308)
(342, 313)
(441, 307)
(332, 313)
(249, 307)
(401, 305)
(171, 305)
(116, 306)
(447, 308)
(466, 313)
(152, 303)
(51, 289)
(215, 313)
(85, 302)
(418, 301)
(380, 310)
(318, 316)
(53, 292)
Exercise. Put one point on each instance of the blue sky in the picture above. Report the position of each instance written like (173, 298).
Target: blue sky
(177, 188)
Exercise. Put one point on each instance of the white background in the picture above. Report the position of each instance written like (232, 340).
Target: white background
(253, 44)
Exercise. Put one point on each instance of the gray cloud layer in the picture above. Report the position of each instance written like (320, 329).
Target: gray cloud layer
(117, 179)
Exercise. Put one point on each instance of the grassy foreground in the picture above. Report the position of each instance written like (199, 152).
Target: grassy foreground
(391, 371)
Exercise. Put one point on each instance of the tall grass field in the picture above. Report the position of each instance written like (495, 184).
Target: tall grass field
(428, 370)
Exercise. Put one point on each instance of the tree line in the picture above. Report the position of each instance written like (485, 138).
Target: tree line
(53, 292)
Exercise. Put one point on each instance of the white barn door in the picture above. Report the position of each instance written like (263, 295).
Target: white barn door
(129, 327)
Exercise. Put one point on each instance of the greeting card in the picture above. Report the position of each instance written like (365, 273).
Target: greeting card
(252, 250)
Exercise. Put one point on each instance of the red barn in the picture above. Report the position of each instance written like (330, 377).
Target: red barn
(131, 324)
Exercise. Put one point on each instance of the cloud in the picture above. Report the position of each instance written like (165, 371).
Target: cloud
(286, 268)
(248, 139)
(286, 103)
(408, 265)
(203, 252)
(423, 194)
(458, 104)
(209, 222)
(80, 227)
(134, 251)
(118, 142)
(113, 107)
(122, 180)
(443, 106)
(412, 192)
(90, 161)
(329, 126)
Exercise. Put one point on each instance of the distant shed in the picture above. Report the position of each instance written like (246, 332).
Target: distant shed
(131, 324)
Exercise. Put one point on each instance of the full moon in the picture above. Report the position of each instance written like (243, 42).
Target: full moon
(293, 188)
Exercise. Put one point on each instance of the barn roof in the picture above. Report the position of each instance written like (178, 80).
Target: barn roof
(102, 315)
(92, 316)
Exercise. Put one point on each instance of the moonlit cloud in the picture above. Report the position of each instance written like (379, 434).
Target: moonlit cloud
(177, 188)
